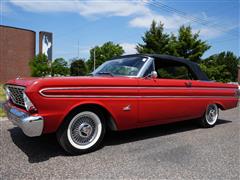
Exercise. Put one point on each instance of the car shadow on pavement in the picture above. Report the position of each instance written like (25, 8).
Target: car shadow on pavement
(116, 138)
(39, 149)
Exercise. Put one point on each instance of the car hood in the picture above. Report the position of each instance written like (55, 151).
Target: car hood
(23, 81)
(73, 81)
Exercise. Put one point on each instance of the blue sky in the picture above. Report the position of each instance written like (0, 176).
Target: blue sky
(94, 22)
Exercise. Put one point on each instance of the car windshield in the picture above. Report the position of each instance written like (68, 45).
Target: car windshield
(129, 66)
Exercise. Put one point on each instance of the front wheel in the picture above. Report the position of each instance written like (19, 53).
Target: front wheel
(210, 116)
(82, 132)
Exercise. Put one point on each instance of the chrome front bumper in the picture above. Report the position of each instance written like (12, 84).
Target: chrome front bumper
(31, 125)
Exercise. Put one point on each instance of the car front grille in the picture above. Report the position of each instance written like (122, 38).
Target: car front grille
(16, 94)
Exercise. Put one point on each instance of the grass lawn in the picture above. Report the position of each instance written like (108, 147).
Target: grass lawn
(2, 94)
(2, 114)
(2, 98)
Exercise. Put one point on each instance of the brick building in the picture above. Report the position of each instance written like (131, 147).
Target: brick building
(17, 48)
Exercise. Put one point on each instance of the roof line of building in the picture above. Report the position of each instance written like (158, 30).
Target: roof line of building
(17, 28)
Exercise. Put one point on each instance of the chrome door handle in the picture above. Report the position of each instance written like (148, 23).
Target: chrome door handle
(188, 84)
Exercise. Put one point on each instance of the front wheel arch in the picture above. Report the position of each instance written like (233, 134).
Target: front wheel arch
(110, 120)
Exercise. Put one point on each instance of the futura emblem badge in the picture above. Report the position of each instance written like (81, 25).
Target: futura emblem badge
(127, 108)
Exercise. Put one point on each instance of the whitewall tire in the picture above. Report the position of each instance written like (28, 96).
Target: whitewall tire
(210, 116)
(82, 131)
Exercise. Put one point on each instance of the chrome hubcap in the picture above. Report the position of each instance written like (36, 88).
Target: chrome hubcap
(212, 114)
(83, 130)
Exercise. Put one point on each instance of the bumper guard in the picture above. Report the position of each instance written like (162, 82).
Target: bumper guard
(31, 125)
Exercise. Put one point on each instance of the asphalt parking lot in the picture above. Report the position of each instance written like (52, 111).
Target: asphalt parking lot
(176, 151)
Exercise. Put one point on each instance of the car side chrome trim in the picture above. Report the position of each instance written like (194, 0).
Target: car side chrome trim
(89, 96)
(132, 87)
(104, 96)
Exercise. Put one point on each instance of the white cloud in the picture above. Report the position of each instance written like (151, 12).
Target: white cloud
(170, 22)
(212, 31)
(174, 21)
(112, 8)
(46, 6)
(208, 32)
(129, 48)
(85, 8)
(140, 12)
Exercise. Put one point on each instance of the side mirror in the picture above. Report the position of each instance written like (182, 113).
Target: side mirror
(154, 74)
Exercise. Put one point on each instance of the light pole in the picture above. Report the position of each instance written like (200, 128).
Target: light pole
(94, 59)
(78, 50)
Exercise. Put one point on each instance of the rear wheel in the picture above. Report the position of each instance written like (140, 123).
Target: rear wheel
(82, 132)
(210, 116)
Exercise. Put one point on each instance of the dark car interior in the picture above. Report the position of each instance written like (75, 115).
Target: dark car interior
(169, 69)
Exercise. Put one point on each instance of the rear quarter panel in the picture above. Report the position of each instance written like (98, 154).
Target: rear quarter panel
(223, 94)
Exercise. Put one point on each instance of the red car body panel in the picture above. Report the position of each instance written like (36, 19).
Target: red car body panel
(151, 101)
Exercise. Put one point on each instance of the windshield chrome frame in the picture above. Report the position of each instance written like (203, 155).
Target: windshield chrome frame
(145, 67)
(141, 71)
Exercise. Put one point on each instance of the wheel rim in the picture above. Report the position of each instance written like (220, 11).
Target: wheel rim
(84, 130)
(212, 114)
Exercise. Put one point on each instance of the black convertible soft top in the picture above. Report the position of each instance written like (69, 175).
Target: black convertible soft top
(194, 67)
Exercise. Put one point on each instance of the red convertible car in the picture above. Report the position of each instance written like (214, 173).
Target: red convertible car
(127, 92)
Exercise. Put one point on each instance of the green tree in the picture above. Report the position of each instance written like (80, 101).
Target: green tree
(216, 73)
(78, 68)
(103, 53)
(221, 67)
(155, 40)
(39, 66)
(59, 67)
(188, 44)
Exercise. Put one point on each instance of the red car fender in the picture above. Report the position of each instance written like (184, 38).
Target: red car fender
(96, 103)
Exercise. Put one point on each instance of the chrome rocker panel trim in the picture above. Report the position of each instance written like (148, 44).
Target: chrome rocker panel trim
(31, 125)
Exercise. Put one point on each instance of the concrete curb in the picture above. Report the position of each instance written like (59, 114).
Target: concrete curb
(3, 119)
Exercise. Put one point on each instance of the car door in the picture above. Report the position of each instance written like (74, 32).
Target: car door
(166, 98)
